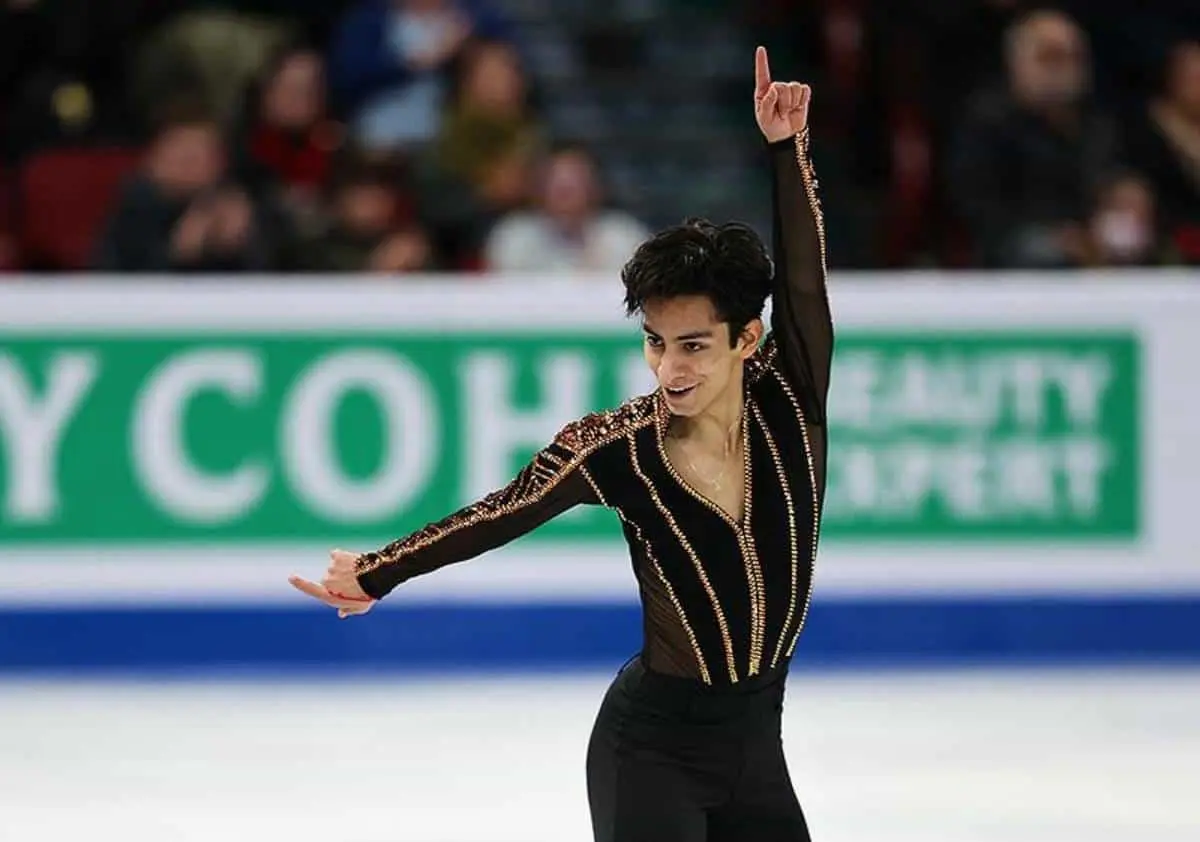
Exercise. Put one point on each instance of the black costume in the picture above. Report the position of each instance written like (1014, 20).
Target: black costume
(687, 744)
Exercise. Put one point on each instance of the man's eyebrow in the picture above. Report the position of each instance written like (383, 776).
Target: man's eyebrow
(683, 337)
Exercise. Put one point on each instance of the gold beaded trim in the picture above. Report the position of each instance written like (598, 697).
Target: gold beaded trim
(754, 574)
(662, 419)
(816, 503)
(687, 548)
(587, 475)
(809, 177)
(793, 541)
(761, 361)
(575, 443)
(754, 579)
(662, 577)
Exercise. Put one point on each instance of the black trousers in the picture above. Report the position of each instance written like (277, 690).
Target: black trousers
(672, 760)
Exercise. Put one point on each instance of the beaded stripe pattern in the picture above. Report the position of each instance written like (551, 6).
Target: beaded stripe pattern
(686, 545)
(571, 447)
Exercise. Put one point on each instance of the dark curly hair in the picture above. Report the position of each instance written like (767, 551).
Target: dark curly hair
(728, 263)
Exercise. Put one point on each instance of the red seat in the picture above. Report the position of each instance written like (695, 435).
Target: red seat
(65, 196)
(1185, 236)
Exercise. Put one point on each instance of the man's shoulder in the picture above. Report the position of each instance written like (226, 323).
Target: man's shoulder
(594, 431)
(762, 361)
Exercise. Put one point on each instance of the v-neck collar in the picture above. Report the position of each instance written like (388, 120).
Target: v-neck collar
(662, 418)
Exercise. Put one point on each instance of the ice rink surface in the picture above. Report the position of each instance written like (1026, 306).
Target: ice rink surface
(1028, 756)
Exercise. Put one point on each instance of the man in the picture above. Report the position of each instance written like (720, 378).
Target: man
(391, 61)
(184, 213)
(1027, 161)
(718, 478)
(570, 231)
(1164, 145)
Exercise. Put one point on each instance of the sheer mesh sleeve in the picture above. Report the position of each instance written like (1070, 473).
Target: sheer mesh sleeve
(801, 340)
(553, 482)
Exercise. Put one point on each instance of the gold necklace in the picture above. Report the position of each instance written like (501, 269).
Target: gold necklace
(714, 482)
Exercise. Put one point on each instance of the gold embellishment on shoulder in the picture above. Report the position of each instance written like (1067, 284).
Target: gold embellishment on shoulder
(595, 430)
(574, 444)
(726, 639)
(761, 360)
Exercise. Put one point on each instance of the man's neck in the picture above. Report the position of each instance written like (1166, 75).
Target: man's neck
(717, 430)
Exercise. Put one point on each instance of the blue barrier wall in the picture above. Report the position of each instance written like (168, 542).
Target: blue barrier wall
(839, 634)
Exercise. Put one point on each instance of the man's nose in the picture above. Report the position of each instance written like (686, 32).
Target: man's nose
(672, 368)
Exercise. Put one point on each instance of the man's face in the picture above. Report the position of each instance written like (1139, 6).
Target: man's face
(688, 350)
(1050, 63)
(569, 191)
(188, 159)
(366, 210)
(295, 97)
(494, 83)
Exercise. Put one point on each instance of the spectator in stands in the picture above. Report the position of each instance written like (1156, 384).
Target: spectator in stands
(284, 148)
(216, 50)
(1164, 144)
(1123, 229)
(182, 213)
(1028, 159)
(481, 166)
(309, 19)
(371, 230)
(391, 60)
(570, 231)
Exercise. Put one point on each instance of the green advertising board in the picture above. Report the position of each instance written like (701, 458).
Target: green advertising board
(353, 436)
(984, 435)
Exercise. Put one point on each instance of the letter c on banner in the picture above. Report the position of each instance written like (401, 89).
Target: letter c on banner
(175, 484)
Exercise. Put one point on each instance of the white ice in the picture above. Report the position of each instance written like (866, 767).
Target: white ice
(1064, 756)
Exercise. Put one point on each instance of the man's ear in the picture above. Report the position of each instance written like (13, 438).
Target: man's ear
(750, 338)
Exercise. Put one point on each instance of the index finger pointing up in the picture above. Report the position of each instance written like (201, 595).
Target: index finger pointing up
(762, 72)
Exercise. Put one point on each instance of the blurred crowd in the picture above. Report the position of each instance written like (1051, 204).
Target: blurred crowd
(383, 137)
(1049, 169)
(397, 136)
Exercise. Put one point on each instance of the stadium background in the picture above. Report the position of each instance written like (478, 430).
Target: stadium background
(281, 277)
